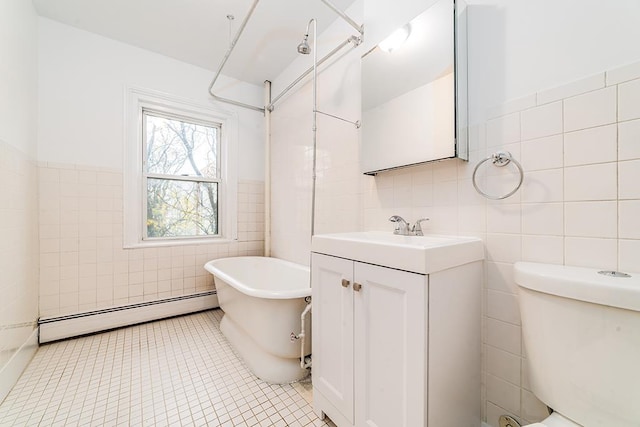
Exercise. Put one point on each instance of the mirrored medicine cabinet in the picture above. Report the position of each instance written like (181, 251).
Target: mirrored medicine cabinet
(414, 91)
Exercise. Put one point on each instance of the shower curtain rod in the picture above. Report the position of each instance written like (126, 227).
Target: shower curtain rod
(356, 40)
(224, 61)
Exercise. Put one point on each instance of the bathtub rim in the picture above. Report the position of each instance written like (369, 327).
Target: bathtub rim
(261, 293)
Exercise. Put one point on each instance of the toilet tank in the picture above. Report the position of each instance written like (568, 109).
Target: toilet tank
(581, 332)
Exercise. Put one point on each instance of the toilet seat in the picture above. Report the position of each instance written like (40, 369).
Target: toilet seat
(554, 420)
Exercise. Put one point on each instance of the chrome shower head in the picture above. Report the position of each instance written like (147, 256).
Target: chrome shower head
(303, 47)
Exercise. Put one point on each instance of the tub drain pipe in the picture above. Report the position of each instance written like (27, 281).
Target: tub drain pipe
(304, 363)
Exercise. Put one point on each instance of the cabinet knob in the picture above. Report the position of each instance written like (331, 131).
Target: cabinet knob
(345, 283)
(357, 287)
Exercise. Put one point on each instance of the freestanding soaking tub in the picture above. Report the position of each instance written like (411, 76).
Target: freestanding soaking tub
(263, 299)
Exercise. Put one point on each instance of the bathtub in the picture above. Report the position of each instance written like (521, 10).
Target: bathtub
(262, 299)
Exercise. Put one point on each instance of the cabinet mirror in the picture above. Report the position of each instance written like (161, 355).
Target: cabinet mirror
(414, 102)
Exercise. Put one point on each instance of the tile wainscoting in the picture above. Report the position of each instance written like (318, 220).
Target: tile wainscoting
(82, 260)
(579, 145)
(18, 263)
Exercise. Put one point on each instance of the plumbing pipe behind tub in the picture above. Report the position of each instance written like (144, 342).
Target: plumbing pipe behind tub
(307, 309)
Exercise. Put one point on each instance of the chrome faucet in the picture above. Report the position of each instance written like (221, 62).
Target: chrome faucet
(417, 228)
(404, 229)
(402, 226)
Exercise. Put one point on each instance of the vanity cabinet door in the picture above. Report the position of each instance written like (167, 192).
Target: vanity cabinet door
(332, 334)
(390, 346)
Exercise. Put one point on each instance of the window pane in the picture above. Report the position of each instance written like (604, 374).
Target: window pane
(181, 208)
(175, 147)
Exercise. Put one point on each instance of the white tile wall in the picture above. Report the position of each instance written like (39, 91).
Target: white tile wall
(591, 109)
(591, 252)
(628, 254)
(593, 182)
(18, 250)
(595, 145)
(503, 364)
(629, 219)
(629, 140)
(628, 179)
(543, 186)
(542, 153)
(600, 222)
(578, 204)
(577, 87)
(545, 249)
(629, 100)
(503, 130)
(542, 121)
(83, 263)
(542, 218)
(623, 74)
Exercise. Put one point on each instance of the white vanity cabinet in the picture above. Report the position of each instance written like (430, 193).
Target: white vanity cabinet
(394, 348)
(368, 341)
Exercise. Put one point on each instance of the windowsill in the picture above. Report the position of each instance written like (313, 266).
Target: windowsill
(178, 242)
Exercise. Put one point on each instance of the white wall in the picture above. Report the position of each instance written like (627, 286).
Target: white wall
(518, 47)
(18, 189)
(567, 138)
(18, 38)
(82, 80)
(338, 202)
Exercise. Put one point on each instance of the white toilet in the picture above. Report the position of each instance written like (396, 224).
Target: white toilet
(581, 331)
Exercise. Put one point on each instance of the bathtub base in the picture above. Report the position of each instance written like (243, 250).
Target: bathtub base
(266, 366)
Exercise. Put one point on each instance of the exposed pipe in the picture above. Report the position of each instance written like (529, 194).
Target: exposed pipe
(267, 170)
(302, 335)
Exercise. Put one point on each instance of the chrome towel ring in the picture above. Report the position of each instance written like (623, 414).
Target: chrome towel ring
(500, 159)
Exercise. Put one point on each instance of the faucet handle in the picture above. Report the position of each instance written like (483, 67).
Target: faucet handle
(417, 228)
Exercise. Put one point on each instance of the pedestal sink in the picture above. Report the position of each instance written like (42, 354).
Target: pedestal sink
(418, 254)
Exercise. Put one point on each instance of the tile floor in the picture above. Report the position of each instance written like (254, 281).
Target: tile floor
(179, 371)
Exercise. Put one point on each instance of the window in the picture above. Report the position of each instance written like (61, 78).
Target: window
(181, 171)
(180, 180)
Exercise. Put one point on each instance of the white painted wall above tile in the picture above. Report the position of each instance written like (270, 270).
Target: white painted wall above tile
(81, 88)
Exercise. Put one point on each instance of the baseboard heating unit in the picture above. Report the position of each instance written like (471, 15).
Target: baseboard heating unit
(88, 322)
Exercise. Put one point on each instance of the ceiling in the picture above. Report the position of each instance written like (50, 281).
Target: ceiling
(198, 31)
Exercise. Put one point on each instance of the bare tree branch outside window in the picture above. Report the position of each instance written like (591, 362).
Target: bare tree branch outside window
(183, 176)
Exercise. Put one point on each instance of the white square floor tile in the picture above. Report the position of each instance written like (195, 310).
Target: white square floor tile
(178, 371)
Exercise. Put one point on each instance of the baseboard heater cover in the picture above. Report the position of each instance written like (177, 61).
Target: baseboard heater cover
(73, 325)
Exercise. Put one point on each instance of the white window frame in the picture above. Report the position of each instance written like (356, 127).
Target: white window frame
(137, 100)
